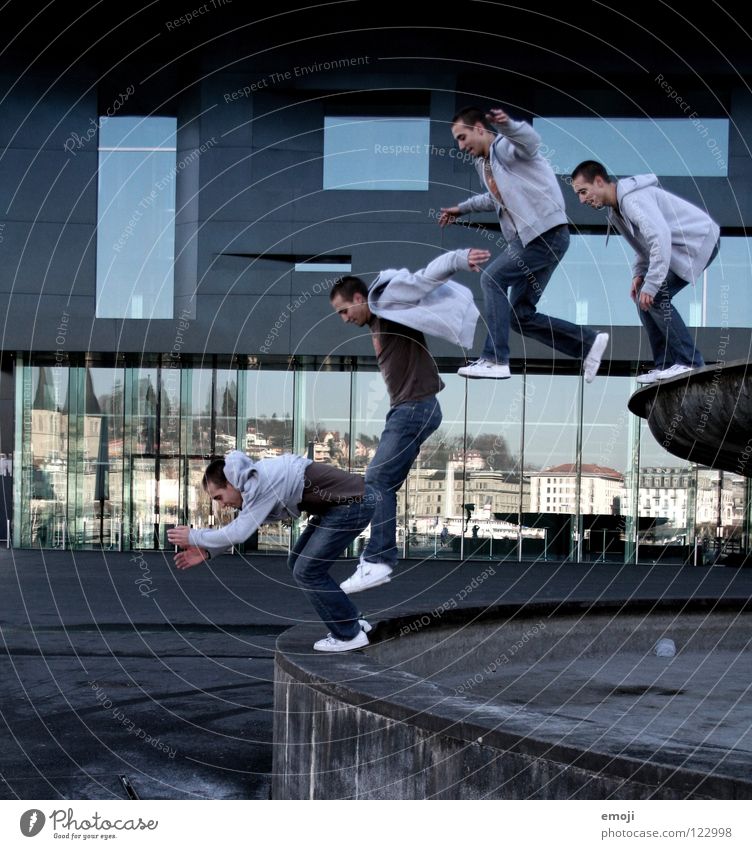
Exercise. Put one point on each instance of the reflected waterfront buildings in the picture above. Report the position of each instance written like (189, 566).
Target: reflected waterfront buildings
(495, 465)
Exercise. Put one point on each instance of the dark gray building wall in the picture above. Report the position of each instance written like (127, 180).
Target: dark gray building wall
(253, 198)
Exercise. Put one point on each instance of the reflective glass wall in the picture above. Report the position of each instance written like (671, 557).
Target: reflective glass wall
(541, 467)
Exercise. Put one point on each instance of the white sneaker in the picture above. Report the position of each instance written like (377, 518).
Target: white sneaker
(365, 625)
(485, 369)
(648, 377)
(673, 371)
(594, 355)
(330, 643)
(366, 576)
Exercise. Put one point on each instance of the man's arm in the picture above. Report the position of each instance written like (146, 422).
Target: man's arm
(520, 134)
(219, 541)
(644, 213)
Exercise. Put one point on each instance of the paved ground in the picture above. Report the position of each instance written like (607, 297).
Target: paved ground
(116, 664)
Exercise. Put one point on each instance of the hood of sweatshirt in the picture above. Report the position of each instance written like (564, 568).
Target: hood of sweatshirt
(238, 469)
(632, 184)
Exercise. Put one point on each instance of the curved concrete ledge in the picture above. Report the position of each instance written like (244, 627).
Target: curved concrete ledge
(704, 417)
(548, 701)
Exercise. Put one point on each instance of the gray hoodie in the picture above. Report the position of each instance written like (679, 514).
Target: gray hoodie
(667, 232)
(425, 301)
(526, 181)
(271, 490)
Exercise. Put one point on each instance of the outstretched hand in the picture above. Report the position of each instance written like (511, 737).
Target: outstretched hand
(179, 536)
(449, 215)
(476, 257)
(190, 557)
(497, 116)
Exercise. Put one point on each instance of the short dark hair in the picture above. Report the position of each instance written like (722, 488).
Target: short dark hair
(347, 286)
(472, 115)
(215, 473)
(589, 170)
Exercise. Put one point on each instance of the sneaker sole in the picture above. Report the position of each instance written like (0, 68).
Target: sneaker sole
(339, 651)
(370, 586)
(485, 376)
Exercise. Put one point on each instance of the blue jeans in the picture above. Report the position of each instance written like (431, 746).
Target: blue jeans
(670, 340)
(407, 427)
(320, 544)
(513, 284)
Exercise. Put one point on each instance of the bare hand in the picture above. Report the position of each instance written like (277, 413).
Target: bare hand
(497, 116)
(477, 257)
(646, 301)
(449, 215)
(179, 536)
(190, 557)
(636, 283)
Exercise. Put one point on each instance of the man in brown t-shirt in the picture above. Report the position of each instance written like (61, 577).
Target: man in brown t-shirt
(423, 301)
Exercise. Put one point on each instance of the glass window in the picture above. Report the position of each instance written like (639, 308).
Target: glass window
(726, 286)
(420, 518)
(376, 154)
(100, 488)
(44, 449)
(551, 424)
(667, 513)
(226, 411)
(268, 426)
(668, 147)
(327, 416)
(591, 284)
(136, 217)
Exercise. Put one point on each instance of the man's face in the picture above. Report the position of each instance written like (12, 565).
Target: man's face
(594, 194)
(355, 311)
(474, 140)
(226, 496)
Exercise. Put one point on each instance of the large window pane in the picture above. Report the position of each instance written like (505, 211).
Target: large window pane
(136, 217)
(197, 411)
(268, 434)
(376, 153)
(226, 411)
(605, 495)
(667, 502)
(728, 285)
(591, 284)
(326, 405)
(551, 421)
(669, 147)
(100, 509)
(492, 468)
(433, 496)
(45, 457)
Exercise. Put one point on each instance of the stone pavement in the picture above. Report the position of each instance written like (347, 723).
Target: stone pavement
(116, 664)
